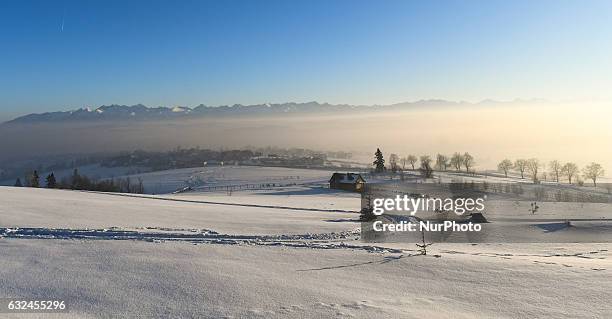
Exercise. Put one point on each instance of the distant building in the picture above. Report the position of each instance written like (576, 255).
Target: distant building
(347, 181)
(287, 161)
(213, 163)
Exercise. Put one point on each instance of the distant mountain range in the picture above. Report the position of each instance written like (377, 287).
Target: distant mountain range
(141, 112)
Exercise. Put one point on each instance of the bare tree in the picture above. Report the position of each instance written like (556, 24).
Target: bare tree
(456, 161)
(423, 246)
(412, 160)
(592, 172)
(441, 162)
(468, 161)
(404, 160)
(425, 159)
(505, 166)
(426, 168)
(533, 166)
(555, 169)
(569, 170)
(393, 159)
(521, 166)
(140, 187)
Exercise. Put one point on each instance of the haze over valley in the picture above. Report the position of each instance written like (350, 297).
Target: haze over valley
(490, 130)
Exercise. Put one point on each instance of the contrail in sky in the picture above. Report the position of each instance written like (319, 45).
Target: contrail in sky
(63, 16)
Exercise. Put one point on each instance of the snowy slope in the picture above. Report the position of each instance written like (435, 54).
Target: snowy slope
(174, 259)
(204, 178)
(111, 279)
(25, 207)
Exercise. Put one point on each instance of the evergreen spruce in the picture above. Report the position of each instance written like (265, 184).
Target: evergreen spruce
(35, 180)
(51, 182)
(18, 182)
(379, 162)
(76, 179)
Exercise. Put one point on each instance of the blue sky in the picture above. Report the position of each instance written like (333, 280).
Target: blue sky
(359, 52)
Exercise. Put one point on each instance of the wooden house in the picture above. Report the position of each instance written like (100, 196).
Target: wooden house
(347, 181)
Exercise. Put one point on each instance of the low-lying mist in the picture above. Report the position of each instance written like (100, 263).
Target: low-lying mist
(579, 133)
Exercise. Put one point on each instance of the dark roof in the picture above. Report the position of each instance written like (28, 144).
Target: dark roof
(350, 178)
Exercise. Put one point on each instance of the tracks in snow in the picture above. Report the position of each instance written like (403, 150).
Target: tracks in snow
(195, 236)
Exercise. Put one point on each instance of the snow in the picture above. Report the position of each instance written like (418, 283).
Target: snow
(72, 209)
(111, 279)
(94, 171)
(312, 197)
(222, 176)
(290, 251)
(178, 109)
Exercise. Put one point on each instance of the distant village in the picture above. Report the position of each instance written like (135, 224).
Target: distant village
(195, 157)
(27, 173)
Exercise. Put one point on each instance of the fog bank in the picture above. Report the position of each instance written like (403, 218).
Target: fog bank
(579, 133)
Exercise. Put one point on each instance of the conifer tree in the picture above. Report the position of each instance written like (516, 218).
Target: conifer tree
(35, 180)
(18, 182)
(379, 162)
(51, 181)
(76, 179)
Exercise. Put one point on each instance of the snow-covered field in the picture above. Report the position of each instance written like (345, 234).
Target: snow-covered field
(126, 279)
(93, 171)
(217, 177)
(289, 251)
(23, 207)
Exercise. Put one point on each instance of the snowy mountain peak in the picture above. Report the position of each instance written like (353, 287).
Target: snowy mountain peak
(180, 109)
(141, 112)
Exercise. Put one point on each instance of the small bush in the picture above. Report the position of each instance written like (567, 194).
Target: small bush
(367, 214)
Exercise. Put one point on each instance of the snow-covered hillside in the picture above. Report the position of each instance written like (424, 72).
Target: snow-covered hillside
(92, 171)
(26, 207)
(250, 255)
(216, 177)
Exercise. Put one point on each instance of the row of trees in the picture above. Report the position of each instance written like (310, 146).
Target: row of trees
(33, 180)
(457, 162)
(535, 169)
(556, 169)
(443, 162)
(81, 182)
